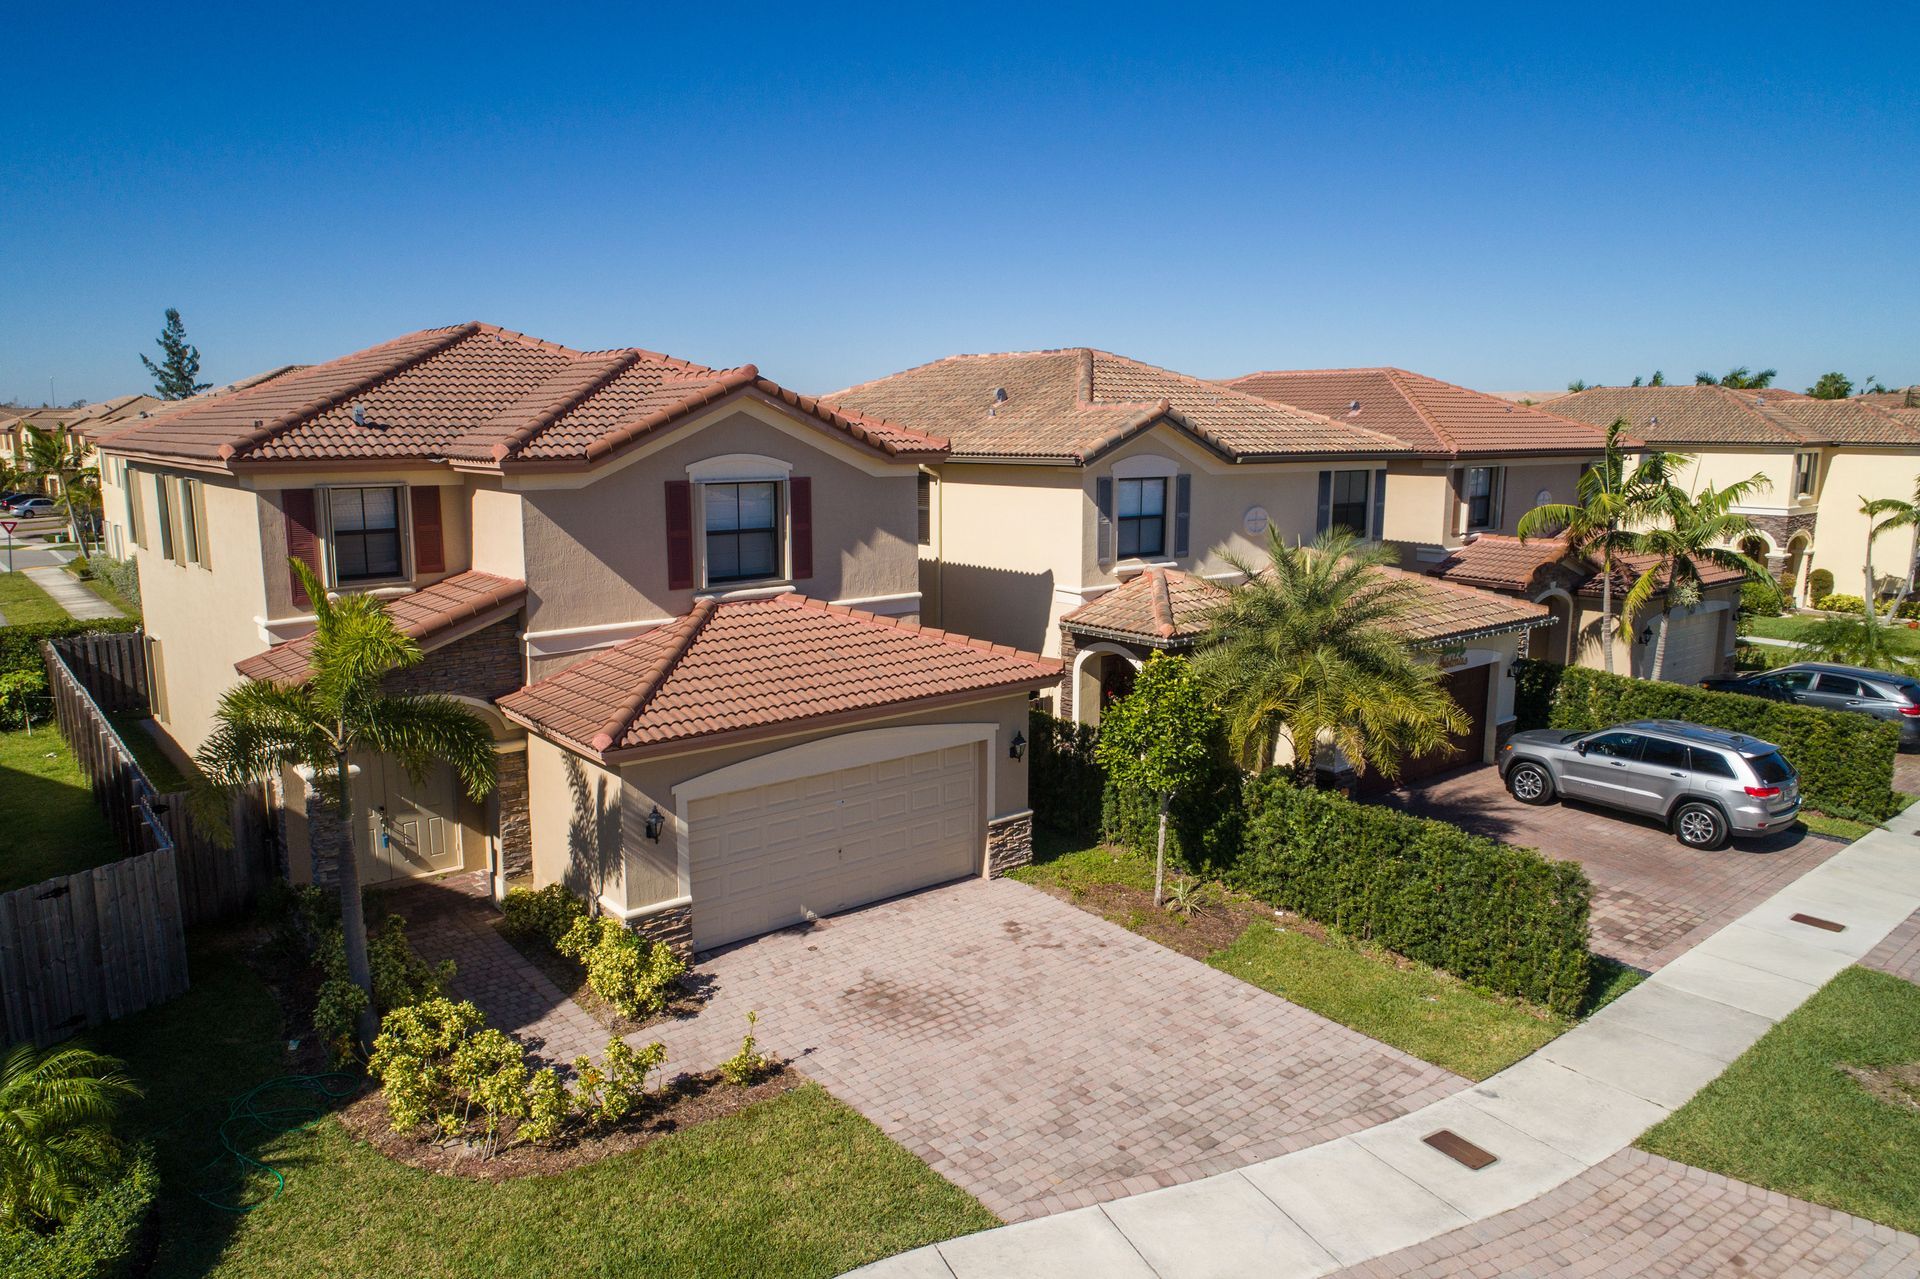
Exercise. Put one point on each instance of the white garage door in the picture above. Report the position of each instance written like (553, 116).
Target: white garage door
(1693, 648)
(770, 856)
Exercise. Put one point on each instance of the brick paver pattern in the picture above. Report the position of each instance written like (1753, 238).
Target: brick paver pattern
(1036, 1055)
(1899, 952)
(1653, 899)
(1640, 1215)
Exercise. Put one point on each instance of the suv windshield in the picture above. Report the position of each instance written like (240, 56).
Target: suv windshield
(1770, 768)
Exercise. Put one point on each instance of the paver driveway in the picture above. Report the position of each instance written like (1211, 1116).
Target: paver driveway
(1040, 1057)
(1652, 898)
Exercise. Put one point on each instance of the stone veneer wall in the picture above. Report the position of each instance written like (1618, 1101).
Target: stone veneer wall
(1009, 844)
(516, 823)
(327, 838)
(674, 927)
(1069, 649)
(485, 664)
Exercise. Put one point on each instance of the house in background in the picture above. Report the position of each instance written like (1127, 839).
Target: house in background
(83, 423)
(1822, 459)
(1082, 487)
(685, 599)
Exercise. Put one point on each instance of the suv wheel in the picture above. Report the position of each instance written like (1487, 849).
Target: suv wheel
(1530, 784)
(1699, 825)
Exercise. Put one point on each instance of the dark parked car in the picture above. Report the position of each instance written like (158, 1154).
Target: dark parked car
(1705, 784)
(1881, 694)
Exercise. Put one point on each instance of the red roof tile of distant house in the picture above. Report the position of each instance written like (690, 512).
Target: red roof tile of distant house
(428, 614)
(1430, 415)
(1170, 609)
(1686, 415)
(753, 666)
(478, 395)
(1072, 405)
(1500, 563)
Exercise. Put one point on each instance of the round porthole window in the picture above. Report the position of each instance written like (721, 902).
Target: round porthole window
(1255, 521)
(1543, 497)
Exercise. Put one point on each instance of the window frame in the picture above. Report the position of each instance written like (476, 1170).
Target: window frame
(191, 536)
(1364, 502)
(163, 513)
(403, 552)
(1806, 470)
(1496, 481)
(778, 532)
(1125, 524)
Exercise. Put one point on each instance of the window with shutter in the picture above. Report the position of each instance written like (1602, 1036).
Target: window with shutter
(303, 538)
(1103, 508)
(163, 515)
(429, 541)
(925, 496)
(1182, 513)
(679, 514)
(365, 528)
(800, 502)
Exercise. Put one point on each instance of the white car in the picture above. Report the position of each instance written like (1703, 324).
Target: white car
(31, 507)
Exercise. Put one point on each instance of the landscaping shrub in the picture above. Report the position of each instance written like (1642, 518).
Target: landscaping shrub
(609, 1093)
(1064, 781)
(1493, 915)
(118, 574)
(20, 645)
(1845, 761)
(544, 913)
(1760, 598)
(1840, 604)
(400, 976)
(748, 1066)
(623, 968)
(101, 1240)
(1819, 583)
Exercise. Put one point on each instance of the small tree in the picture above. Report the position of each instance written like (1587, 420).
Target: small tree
(18, 689)
(1159, 738)
(1831, 386)
(1691, 531)
(177, 375)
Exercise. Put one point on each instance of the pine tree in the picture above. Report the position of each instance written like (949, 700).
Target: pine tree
(176, 376)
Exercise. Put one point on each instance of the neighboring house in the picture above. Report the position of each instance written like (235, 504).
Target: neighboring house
(1074, 471)
(1540, 571)
(685, 599)
(1822, 459)
(1472, 635)
(85, 423)
(1482, 462)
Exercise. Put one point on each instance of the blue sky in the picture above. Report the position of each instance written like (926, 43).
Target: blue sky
(1508, 198)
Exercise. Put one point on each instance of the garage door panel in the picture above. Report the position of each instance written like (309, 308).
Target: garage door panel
(767, 857)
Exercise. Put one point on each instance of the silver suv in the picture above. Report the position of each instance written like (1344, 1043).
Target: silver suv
(1706, 785)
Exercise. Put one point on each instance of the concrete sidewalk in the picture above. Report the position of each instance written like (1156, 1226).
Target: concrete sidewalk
(69, 594)
(1548, 1119)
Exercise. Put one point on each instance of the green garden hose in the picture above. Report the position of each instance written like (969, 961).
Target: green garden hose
(288, 1103)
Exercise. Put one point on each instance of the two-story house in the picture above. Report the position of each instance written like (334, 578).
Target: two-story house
(1822, 460)
(1089, 502)
(685, 599)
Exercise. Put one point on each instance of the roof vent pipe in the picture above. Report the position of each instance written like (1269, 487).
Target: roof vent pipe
(999, 398)
(359, 413)
(1353, 407)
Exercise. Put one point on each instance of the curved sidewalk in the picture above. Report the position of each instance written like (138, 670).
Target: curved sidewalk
(1547, 1120)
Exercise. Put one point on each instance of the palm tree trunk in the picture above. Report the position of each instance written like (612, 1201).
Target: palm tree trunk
(1160, 852)
(1660, 645)
(1607, 628)
(353, 919)
(1866, 597)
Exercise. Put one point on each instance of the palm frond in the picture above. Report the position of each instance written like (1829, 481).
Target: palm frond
(419, 732)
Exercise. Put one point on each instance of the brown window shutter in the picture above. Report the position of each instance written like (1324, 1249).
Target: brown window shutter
(429, 546)
(1457, 492)
(679, 535)
(303, 537)
(800, 505)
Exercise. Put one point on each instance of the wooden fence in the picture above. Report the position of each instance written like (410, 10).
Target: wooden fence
(110, 665)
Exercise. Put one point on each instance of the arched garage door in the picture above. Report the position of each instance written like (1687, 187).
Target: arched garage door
(1469, 686)
(772, 855)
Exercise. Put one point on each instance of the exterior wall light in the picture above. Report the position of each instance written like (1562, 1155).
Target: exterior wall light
(656, 821)
(1018, 746)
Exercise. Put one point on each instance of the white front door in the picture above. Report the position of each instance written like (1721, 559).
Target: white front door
(406, 829)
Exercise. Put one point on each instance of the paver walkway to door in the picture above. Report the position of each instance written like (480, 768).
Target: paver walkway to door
(69, 594)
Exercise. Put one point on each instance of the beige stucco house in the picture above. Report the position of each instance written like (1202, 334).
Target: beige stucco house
(687, 601)
(1080, 482)
(1821, 458)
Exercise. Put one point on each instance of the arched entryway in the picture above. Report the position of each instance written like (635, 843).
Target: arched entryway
(1557, 643)
(1102, 674)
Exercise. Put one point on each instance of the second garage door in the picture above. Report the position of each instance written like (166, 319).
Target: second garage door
(772, 855)
(1693, 649)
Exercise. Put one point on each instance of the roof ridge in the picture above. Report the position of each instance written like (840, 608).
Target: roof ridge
(293, 417)
(1162, 604)
(691, 625)
(720, 387)
(863, 426)
(1432, 423)
(561, 405)
(951, 359)
(793, 599)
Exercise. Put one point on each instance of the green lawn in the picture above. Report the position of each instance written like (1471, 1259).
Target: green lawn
(100, 587)
(49, 824)
(24, 604)
(1837, 827)
(797, 1185)
(1417, 1009)
(1785, 1116)
(153, 761)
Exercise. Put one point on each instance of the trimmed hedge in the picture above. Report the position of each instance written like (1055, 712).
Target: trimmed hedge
(20, 645)
(1497, 916)
(100, 1241)
(1064, 782)
(1845, 761)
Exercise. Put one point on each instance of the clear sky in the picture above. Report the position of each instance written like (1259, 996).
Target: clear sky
(1508, 198)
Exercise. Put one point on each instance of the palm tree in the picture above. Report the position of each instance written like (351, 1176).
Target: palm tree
(1859, 640)
(56, 1105)
(1610, 500)
(1687, 533)
(1306, 649)
(1898, 514)
(339, 713)
(62, 454)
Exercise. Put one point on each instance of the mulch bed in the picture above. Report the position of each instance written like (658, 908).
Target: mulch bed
(688, 1100)
(571, 977)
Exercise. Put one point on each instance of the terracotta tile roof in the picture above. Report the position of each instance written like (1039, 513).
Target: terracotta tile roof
(1500, 563)
(472, 393)
(155, 407)
(1170, 609)
(1430, 415)
(1683, 415)
(89, 421)
(1071, 405)
(755, 665)
(424, 614)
